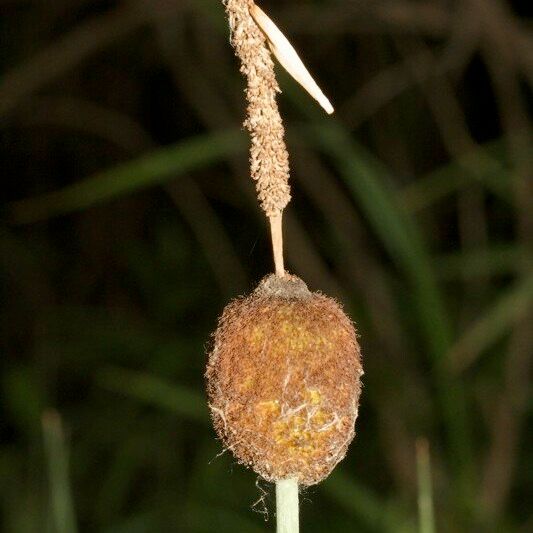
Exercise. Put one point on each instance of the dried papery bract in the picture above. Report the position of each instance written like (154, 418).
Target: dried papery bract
(289, 58)
(284, 381)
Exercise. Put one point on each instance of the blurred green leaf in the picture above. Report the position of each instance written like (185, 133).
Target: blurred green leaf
(23, 399)
(115, 486)
(155, 391)
(155, 168)
(220, 520)
(22, 505)
(489, 171)
(139, 523)
(493, 324)
(79, 336)
(495, 260)
(372, 511)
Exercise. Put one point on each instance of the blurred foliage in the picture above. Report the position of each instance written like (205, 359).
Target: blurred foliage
(129, 221)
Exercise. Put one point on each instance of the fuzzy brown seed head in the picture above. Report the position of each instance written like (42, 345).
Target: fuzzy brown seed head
(284, 381)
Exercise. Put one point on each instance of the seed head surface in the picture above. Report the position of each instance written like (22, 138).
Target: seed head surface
(283, 381)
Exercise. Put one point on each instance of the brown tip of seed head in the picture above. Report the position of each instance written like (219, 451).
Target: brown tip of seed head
(284, 380)
(287, 287)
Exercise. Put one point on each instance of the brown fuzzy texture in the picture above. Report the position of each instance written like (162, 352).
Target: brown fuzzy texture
(269, 159)
(284, 381)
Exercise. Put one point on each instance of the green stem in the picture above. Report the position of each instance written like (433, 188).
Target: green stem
(426, 517)
(287, 506)
(62, 507)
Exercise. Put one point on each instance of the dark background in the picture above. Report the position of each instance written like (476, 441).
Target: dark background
(128, 221)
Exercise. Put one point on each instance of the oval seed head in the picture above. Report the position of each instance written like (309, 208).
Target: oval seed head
(283, 380)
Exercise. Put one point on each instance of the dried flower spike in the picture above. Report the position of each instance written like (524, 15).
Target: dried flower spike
(284, 381)
(269, 159)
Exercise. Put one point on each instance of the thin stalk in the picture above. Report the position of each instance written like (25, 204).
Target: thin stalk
(287, 506)
(62, 507)
(426, 518)
(276, 231)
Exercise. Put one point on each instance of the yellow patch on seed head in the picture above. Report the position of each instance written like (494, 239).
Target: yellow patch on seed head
(268, 408)
(257, 337)
(247, 384)
(314, 396)
(320, 418)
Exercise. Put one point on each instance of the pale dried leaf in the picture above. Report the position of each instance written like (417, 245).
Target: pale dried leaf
(288, 57)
